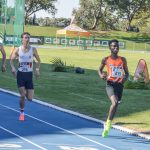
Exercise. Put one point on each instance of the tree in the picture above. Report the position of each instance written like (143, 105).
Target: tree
(129, 9)
(32, 6)
(92, 12)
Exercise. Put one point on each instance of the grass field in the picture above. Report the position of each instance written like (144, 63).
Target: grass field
(85, 93)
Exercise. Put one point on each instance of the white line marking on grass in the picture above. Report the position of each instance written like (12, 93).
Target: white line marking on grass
(22, 138)
(65, 130)
(86, 97)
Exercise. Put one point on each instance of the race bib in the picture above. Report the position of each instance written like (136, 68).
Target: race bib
(116, 72)
(25, 66)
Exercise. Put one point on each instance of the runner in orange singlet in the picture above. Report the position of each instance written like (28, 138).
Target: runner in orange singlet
(117, 74)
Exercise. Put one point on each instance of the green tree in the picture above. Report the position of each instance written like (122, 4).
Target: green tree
(142, 21)
(32, 6)
(92, 13)
(129, 9)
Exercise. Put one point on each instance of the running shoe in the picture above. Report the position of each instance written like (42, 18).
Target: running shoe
(21, 117)
(107, 127)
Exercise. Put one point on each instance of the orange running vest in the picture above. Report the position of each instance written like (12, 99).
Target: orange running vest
(115, 69)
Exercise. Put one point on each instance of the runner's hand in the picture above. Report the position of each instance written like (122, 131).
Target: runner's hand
(104, 76)
(37, 72)
(14, 72)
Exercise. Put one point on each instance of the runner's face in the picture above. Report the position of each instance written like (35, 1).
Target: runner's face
(26, 39)
(114, 47)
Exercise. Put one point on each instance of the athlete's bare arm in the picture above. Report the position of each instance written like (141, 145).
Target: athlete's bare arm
(126, 71)
(100, 71)
(3, 67)
(37, 69)
(13, 56)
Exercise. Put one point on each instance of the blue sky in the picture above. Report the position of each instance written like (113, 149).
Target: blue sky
(64, 7)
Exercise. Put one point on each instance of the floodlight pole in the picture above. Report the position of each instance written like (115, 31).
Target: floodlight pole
(5, 19)
(1, 11)
(65, 41)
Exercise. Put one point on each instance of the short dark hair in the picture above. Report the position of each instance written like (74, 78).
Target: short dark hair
(24, 33)
(114, 41)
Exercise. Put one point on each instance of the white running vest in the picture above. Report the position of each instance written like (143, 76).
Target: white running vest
(25, 60)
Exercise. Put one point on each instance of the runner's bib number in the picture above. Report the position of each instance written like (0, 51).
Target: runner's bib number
(117, 72)
(25, 66)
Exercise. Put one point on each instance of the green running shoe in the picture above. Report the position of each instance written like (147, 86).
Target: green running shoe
(105, 133)
(108, 124)
(107, 128)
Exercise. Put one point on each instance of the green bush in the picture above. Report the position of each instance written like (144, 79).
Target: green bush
(60, 66)
(138, 84)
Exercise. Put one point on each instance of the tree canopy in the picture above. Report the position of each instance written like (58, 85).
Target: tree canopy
(91, 13)
(96, 13)
(129, 9)
(32, 6)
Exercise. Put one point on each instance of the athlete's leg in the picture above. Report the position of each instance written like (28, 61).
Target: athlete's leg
(29, 87)
(22, 92)
(112, 110)
(113, 107)
(29, 94)
(110, 89)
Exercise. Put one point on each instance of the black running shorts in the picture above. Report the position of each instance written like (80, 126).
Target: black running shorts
(24, 79)
(113, 88)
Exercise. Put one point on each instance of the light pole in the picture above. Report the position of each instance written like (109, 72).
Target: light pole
(5, 18)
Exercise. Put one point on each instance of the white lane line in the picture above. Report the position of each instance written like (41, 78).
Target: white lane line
(67, 144)
(65, 130)
(1, 127)
(9, 145)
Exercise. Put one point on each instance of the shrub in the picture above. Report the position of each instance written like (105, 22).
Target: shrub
(136, 84)
(60, 66)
